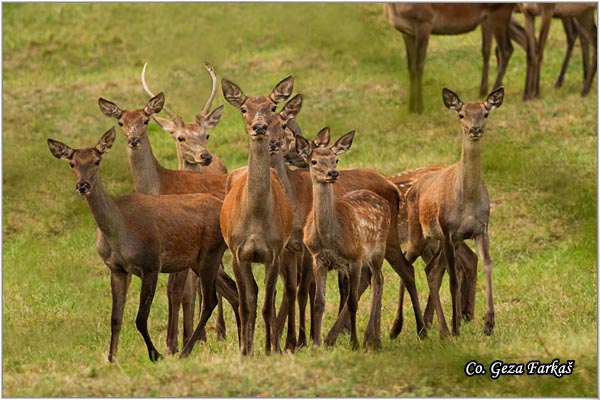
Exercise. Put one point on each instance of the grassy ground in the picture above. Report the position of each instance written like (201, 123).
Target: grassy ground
(540, 168)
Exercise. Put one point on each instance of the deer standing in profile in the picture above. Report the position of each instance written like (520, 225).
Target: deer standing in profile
(417, 21)
(149, 177)
(346, 234)
(465, 256)
(451, 205)
(146, 235)
(583, 13)
(191, 140)
(256, 218)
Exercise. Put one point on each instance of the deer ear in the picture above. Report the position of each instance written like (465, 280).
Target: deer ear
(495, 99)
(60, 150)
(212, 119)
(232, 93)
(323, 138)
(451, 100)
(106, 141)
(343, 144)
(291, 108)
(283, 90)
(303, 147)
(109, 108)
(164, 123)
(155, 104)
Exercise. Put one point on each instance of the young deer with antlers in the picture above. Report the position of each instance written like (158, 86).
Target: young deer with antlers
(451, 205)
(256, 218)
(347, 234)
(191, 140)
(149, 177)
(146, 235)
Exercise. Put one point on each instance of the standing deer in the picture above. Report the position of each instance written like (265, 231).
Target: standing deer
(256, 218)
(146, 235)
(583, 13)
(347, 234)
(191, 140)
(465, 256)
(149, 177)
(451, 205)
(417, 21)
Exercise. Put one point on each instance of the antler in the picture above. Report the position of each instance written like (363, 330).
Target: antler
(175, 118)
(213, 93)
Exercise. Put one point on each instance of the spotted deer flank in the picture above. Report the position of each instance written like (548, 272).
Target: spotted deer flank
(345, 234)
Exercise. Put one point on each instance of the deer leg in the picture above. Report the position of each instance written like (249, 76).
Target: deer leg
(588, 30)
(226, 288)
(119, 282)
(175, 289)
(544, 31)
(427, 256)
(434, 271)
(468, 260)
(268, 311)
(373, 331)
(531, 48)
(486, 47)
(290, 281)
(187, 303)
(454, 275)
(502, 36)
(484, 251)
(399, 318)
(571, 35)
(354, 280)
(220, 324)
(149, 280)
(247, 298)
(306, 279)
(207, 272)
(416, 50)
(320, 274)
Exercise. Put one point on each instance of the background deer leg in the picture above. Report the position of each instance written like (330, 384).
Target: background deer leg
(455, 280)
(268, 311)
(306, 278)
(354, 280)
(175, 288)
(320, 274)
(486, 47)
(531, 49)
(505, 47)
(588, 33)
(247, 298)
(373, 331)
(434, 271)
(544, 31)
(119, 283)
(484, 251)
(227, 288)
(149, 280)
(467, 260)
(416, 49)
(290, 280)
(571, 35)
(188, 300)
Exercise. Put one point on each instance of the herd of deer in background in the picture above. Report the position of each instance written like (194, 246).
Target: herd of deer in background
(293, 211)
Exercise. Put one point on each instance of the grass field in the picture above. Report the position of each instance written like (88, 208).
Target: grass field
(540, 161)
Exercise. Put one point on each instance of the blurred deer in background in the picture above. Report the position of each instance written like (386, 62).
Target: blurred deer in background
(417, 21)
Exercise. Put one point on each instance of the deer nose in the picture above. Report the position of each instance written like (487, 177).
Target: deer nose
(260, 128)
(475, 130)
(134, 141)
(83, 187)
(333, 175)
(206, 158)
(274, 145)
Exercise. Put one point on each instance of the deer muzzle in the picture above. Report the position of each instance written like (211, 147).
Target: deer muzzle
(134, 142)
(205, 159)
(83, 188)
(259, 129)
(475, 132)
(332, 176)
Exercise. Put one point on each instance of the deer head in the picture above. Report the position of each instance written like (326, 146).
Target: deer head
(134, 123)
(473, 116)
(260, 112)
(280, 133)
(323, 161)
(191, 138)
(85, 163)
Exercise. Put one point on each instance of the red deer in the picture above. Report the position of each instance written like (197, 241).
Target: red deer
(256, 218)
(145, 235)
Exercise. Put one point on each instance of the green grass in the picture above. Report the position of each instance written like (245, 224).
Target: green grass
(540, 163)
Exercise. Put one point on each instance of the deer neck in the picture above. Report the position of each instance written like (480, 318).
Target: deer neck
(324, 213)
(145, 169)
(105, 211)
(470, 170)
(278, 164)
(258, 187)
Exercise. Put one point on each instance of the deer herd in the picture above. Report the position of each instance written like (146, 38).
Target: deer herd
(293, 211)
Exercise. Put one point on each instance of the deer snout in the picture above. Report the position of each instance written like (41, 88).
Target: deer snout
(134, 141)
(83, 188)
(333, 175)
(274, 145)
(475, 131)
(205, 159)
(259, 128)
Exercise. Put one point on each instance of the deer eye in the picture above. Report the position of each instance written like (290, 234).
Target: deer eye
(244, 111)
(97, 162)
(461, 116)
(120, 123)
(284, 126)
(313, 162)
(274, 108)
(337, 161)
(71, 164)
(181, 139)
(146, 122)
(485, 115)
